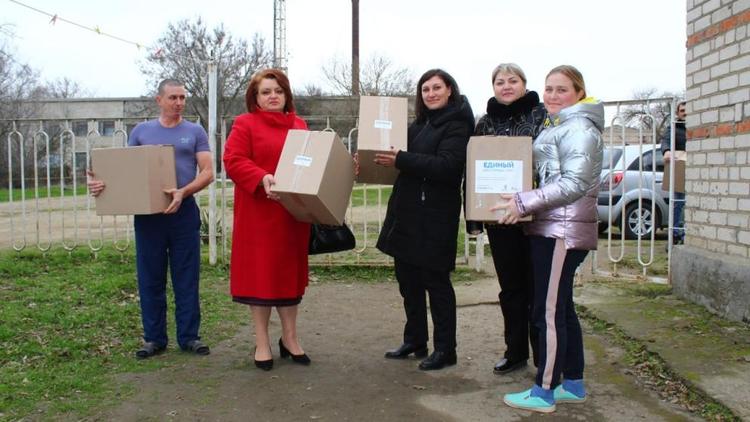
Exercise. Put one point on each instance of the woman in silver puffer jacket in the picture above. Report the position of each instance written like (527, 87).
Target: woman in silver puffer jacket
(568, 162)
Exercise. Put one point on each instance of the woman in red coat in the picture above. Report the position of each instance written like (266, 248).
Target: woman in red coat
(269, 247)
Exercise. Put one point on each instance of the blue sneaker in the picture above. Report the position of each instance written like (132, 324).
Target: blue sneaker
(563, 396)
(525, 401)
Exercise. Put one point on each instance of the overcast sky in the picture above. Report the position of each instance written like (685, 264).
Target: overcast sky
(619, 46)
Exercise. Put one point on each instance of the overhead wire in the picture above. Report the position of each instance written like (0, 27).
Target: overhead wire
(54, 18)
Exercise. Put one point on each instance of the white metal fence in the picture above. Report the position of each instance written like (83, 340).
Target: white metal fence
(46, 204)
(642, 212)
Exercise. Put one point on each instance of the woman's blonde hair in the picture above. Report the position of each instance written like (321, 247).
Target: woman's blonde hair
(509, 68)
(574, 75)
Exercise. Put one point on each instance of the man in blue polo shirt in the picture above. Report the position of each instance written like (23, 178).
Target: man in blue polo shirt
(172, 238)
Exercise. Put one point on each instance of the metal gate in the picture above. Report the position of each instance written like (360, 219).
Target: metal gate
(47, 204)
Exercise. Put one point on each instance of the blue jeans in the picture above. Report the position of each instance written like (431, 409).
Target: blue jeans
(172, 240)
(678, 230)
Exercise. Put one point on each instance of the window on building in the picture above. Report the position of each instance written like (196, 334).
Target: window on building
(107, 127)
(80, 128)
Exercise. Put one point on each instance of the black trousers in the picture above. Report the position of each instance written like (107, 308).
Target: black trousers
(512, 258)
(560, 336)
(413, 283)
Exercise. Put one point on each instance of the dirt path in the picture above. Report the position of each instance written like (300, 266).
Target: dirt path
(345, 328)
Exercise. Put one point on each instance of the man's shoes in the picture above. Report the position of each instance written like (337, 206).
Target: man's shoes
(403, 351)
(149, 349)
(505, 365)
(197, 347)
(675, 241)
(438, 360)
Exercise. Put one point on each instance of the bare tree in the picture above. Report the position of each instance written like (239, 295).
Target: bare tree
(309, 90)
(18, 82)
(61, 88)
(379, 76)
(20, 86)
(637, 116)
(184, 51)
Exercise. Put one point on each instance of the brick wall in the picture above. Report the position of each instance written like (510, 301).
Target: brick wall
(717, 213)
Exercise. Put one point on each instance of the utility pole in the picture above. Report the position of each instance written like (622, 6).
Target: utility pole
(279, 35)
(355, 47)
(212, 94)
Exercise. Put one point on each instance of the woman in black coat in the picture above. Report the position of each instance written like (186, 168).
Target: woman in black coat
(512, 111)
(421, 224)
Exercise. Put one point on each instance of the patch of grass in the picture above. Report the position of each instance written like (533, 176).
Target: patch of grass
(650, 291)
(659, 265)
(374, 274)
(656, 374)
(370, 193)
(351, 273)
(71, 322)
(54, 191)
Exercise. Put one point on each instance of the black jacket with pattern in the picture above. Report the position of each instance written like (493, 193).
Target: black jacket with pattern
(523, 117)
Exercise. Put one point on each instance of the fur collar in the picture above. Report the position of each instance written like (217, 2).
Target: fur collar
(521, 106)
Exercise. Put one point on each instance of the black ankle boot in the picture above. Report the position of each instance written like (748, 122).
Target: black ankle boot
(438, 359)
(403, 351)
(284, 352)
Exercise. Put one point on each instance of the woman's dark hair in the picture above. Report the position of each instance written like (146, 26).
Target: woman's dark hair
(251, 95)
(421, 109)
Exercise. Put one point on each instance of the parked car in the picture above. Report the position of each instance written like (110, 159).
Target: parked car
(624, 190)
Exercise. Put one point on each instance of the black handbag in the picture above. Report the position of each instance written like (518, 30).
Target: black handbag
(327, 239)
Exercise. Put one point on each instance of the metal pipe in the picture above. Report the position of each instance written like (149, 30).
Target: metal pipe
(355, 48)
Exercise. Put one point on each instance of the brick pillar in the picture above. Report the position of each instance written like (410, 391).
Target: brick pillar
(713, 268)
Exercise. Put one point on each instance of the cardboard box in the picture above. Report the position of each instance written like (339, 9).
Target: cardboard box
(680, 159)
(382, 124)
(495, 165)
(134, 178)
(315, 176)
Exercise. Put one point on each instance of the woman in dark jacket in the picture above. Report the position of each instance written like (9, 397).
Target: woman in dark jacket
(421, 224)
(513, 111)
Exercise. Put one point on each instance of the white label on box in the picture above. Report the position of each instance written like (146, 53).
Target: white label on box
(302, 160)
(498, 176)
(383, 124)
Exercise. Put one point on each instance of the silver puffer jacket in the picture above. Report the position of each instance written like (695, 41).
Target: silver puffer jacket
(568, 165)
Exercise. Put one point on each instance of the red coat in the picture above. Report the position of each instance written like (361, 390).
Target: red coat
(269, 247)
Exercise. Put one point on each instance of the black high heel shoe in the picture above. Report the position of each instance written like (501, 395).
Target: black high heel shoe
(302, 359)
(265, 365)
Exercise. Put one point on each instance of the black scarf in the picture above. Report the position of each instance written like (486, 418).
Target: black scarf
(521, 106)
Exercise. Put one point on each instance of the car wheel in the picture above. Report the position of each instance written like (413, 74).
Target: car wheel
(603, 227)
(638, 221)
